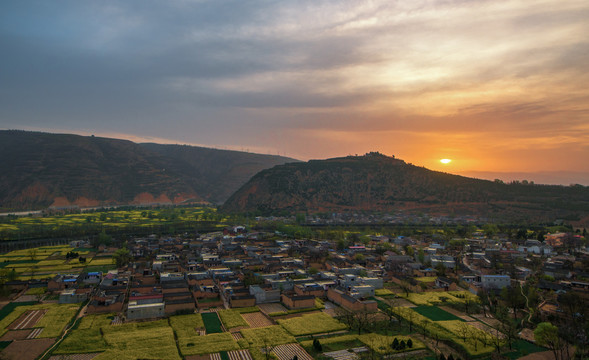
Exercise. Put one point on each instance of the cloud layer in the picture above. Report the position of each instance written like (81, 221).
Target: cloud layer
(495, 85)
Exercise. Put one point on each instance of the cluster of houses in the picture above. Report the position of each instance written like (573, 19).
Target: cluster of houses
(235, 269)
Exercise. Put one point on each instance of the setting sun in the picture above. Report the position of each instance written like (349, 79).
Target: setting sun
(445, 161)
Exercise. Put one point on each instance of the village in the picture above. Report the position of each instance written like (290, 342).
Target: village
(447, 297)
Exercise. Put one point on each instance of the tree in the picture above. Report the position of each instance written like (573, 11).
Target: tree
(345, 316)
(409, 250)
(409, 343)
(102, 239)
(507, 325)
(33, 254)
(121, 257)
(391, 316)
(514, 298)
(410, 318)
(405, 286)
(463, 330)
(362, 319)
(395, 344)
(546, 335)
(317, 345)
(484, 300)
(496, 340)
(441, 269)
(424, 323)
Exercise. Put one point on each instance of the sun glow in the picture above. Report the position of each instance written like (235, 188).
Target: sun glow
(445, 161)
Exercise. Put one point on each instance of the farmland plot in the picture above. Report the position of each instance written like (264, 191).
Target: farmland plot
(212, 322)
(208, 344)
(270, 336)
(257, 319)
(150, 340)
(435, 313)
(232, 319)
(312, 324)
(289, 351)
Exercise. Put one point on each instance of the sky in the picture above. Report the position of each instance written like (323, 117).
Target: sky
(500, 87)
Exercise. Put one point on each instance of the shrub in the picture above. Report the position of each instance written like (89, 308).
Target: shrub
(395, 344)
(402, 345)
(317, 345)
(409, 343)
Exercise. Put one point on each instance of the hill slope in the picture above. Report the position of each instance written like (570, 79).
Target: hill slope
(40, 170)
(379, 183)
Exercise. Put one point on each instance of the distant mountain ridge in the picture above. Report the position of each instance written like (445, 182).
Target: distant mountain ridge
(379, 183)
(40, 170)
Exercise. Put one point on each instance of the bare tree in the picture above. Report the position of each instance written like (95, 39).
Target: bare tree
(345, 316)
(424, 323)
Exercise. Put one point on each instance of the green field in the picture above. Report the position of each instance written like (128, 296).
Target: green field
(450, 330)
(435, 313)
(436, 298)
(378, 343)
(149, 340)
(212, 323)
(91, 223)
(384, 292)
(47, 261)
(232, 319)
(315, 323)
(209, 344)
(270, 335)
(523, 348)
(54, 321)
(333, 343)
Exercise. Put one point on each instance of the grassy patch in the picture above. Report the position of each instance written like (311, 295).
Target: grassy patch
(333, 344)
(231, 319)
(185, 327)
(212, 323)
(208, 344)
(436, 298)
(82, 341)
(8, 308)
(382, 344)
(523, 348)
(426, 279)
(36, 291)
(54, 321)
(435, 313)
(472, 345)
(56, 318)
(312, 324)
(383, 292)
(95, 321)
(270, 335)
(149, 340)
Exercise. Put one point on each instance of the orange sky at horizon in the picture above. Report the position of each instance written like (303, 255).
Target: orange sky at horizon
(497, 86)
